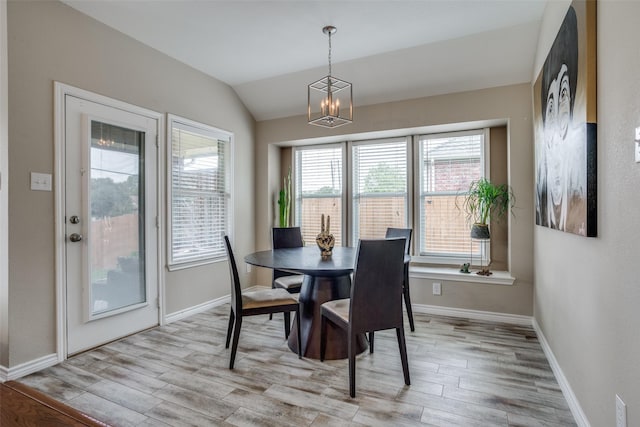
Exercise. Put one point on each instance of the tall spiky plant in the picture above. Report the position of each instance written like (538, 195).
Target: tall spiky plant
(284, 201)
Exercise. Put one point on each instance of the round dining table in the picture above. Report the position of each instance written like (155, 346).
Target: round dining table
(324, 280)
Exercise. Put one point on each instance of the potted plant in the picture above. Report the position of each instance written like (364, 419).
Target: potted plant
(484, 201)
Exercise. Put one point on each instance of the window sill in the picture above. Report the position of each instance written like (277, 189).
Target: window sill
(454, 274)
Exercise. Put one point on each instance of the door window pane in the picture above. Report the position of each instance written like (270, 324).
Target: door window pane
(116, 235)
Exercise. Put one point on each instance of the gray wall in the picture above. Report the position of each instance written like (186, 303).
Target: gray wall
(510, 104)
(587, 293)
(48, 41)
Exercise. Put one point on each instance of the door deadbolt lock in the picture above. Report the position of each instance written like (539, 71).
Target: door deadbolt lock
(75, 237)
(74, 219)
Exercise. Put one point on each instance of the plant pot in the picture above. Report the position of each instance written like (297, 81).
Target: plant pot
(480, 232)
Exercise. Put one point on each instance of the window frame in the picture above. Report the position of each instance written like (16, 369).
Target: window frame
(227, 137)
(484, 254)
(351, 214)
(343, 197)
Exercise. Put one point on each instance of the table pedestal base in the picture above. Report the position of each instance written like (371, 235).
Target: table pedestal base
(315, 291)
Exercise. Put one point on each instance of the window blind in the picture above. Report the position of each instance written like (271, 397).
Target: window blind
(199, 192)
(448, 165)
(379, 179)
(319, 189)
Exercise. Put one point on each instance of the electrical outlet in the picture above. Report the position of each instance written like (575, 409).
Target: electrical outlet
(437, 288)
(248, 268)
(621, 413)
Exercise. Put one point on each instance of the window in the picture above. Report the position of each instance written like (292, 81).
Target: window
(379, 182)
(318, 190)
(403, 182)
(199, 195)
(448, 163)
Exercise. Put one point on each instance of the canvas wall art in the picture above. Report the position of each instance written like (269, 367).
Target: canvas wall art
(565, 126)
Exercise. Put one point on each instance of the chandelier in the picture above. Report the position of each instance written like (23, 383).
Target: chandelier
(329, 100)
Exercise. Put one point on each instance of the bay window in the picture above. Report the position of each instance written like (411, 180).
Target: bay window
(412, 181)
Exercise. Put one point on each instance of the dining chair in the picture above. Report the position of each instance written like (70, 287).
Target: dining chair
(252, 303)
(375, 303)
(406, 233)
(283, 238)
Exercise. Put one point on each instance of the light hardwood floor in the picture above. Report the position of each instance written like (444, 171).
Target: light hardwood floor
(463, 373)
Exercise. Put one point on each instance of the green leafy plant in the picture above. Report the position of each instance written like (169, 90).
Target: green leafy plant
(485, 199)
(284, 201)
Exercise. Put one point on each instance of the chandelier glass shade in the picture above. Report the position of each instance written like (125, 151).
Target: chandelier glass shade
(330, 99)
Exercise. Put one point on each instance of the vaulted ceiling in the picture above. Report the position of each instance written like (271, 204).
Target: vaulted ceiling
(269, 51)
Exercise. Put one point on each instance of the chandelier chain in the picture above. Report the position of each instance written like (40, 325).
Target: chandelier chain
(329, 53)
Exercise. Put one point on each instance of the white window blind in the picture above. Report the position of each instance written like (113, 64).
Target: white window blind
(379, 182)
(448, 165)
(199, 191)
(319, 189)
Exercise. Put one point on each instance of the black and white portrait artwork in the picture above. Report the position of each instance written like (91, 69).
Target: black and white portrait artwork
(565, 131)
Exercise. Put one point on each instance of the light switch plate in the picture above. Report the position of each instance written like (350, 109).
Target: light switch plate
(637, 145)
(621, 412)
(40, 181)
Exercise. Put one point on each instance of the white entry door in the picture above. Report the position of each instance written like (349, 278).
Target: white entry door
(110, 223)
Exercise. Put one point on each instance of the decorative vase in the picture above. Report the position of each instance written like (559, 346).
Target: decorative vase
(325, 239)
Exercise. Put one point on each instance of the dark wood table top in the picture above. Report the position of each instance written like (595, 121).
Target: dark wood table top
(306, 260)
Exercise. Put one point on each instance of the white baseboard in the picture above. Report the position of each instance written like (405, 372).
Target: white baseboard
(489, 316)
(179, 315)
(7, 374)
(572, 400)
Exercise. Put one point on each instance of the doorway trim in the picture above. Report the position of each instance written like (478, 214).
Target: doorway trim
(61, 90)
(4, 193)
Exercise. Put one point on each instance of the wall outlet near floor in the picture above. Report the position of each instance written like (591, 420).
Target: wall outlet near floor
(621, 413)
(437, 288)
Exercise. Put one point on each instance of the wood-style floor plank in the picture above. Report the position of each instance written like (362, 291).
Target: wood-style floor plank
(463, 373)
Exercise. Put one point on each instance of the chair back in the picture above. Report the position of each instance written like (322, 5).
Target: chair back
(284, 238)
(393, 233)
(376, 292)
(236, 292)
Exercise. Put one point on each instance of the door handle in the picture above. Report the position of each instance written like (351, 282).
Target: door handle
(75, 237)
